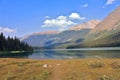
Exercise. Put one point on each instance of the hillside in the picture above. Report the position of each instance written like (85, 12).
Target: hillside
(105, 34)
(53, 40)
(86, 25)
(111, 22)
(93, 33)
(56, 39)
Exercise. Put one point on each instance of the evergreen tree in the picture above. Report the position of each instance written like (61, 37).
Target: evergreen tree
(13, 44)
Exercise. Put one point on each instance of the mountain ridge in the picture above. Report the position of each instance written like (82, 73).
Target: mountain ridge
(40, 33)
(105, 33)
(86, 25)
(91, 24)
(111, 20)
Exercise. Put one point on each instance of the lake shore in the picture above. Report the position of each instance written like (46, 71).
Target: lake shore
(81, 69)
(14, 52)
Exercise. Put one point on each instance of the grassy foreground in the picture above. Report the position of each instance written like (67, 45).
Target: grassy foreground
(83, 69)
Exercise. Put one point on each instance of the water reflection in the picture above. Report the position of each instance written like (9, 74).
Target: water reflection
(75, 54)
(66, 54)
(16, 55)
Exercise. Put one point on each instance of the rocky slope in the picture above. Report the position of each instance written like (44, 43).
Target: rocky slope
(86, 25)
(40, 33)
(105, 34)
(50, 39)
(109, 23)
(53, 40)
(109, 26)
(89, 34)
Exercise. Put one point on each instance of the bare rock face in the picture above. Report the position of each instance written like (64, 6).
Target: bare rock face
(41, 33)
(47, 32)
(86, 25)
(112, 22)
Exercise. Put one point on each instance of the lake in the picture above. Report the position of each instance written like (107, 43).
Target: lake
(67, 53)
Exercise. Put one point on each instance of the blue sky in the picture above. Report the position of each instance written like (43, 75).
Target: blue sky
(22, 17)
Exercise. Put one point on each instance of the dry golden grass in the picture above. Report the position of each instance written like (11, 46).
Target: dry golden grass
(83, 69)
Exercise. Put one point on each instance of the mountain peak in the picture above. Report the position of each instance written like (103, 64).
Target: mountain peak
(41, 33)
(86, 25)
(111, 22)
(46, 32)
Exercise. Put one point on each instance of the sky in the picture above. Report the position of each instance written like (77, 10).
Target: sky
(23, 17)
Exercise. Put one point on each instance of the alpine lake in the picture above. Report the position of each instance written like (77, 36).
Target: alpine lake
(61, 54)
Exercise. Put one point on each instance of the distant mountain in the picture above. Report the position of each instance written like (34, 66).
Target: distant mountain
(93, 33)
(56, 39)
(86, 25)
(111, 22)
(105, 34)
(109, 26)
(40, 33)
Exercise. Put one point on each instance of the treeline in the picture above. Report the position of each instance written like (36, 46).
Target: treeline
(13, 44)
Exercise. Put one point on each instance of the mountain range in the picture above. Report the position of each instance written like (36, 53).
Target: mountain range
(94, 33)
(86, 25)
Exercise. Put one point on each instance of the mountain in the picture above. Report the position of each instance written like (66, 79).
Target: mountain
(111, 22)
(40, 33)
(56, 39)
(86, 25)
(108, 27)
(105, 34)
(93, 33)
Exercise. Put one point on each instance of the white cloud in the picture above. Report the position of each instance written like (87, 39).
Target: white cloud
(7, 30)
(76, 16)
(84, 5)
(62, 17)
(47, 17)
(62, 22)
(109, 2)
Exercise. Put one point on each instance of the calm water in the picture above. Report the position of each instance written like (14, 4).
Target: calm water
(68, 54)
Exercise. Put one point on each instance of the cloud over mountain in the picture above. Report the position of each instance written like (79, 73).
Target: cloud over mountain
(76, 16)
(62, 22)
(7, 30)
(110, 2)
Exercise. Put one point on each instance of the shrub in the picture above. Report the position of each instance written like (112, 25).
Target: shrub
(104, 77)
(43, 76)
(96, 64)
(10, 76)
(115, 65)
